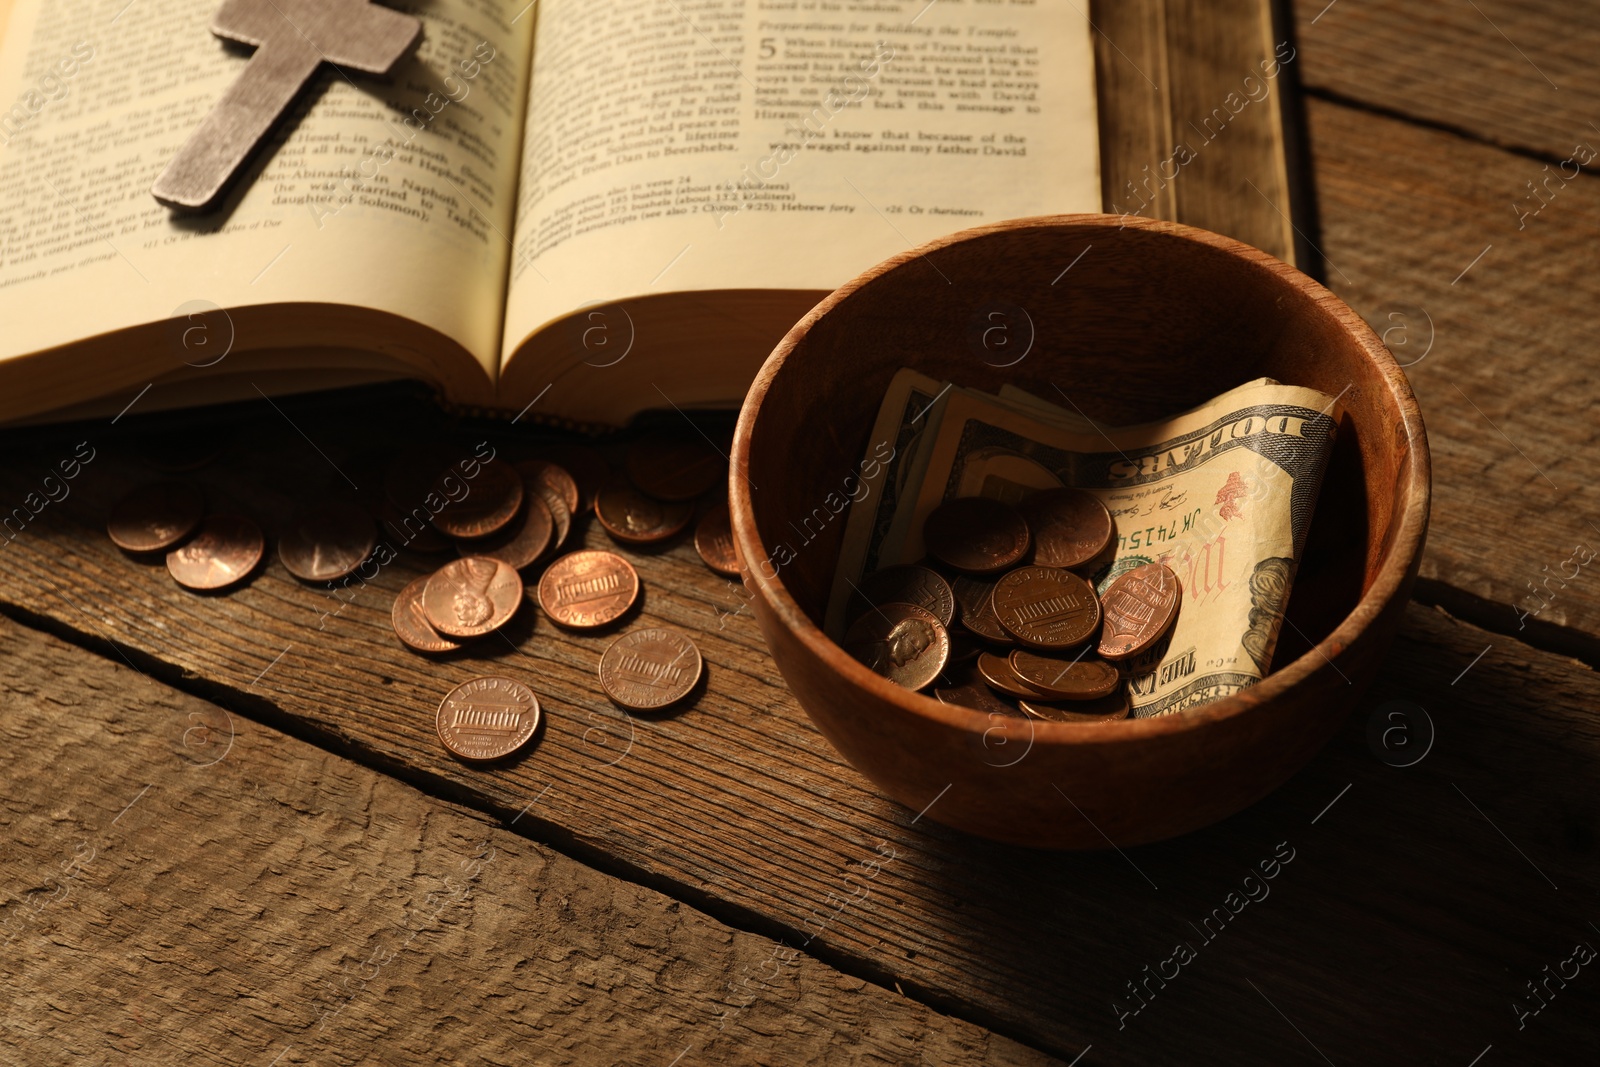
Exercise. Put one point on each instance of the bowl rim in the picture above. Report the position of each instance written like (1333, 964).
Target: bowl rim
(1410, 521)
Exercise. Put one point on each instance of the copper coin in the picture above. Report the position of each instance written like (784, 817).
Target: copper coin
(1047, 607)
(226, 549)
(1086, 712)
(906, 584)
(998, 674)
(413, 530)
(519, 544)
(155, 517)
(471, 596)
(1069, 526)
(976, 535)
(673, 466)
(487, 718)
(713, 539)
(324, 544)
(588, 469)
(1065, 679)
(977, 698)
(543, 473)
(905, 643)
(588, 589)
(411, 623)
(650, 669)
(976, 597)
(1140, 607)
(633, 518)
(560, 516)
(487, 503)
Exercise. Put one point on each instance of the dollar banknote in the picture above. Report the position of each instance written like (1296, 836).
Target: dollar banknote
(1222, 494)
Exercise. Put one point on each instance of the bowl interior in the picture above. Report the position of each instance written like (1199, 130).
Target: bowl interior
(1125, 324)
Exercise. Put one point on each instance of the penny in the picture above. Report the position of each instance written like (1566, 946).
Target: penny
(713, 539)
(1069, 526)
(1140, 606)
(560, 516)
(543, 473)
(519, 544)
(997, 673)
(588, 589)
(324, 544)
(633, 518)
(411, 624)
(471, 596)
(155, 517)
(588, 469)
(414, 530)
(488, 502)
(226, 549)
(976, 535)
(976, 698)
(673, 466)
(1065, 679)
(1086, 712)
(487, 718)
(976, 597)
(1046, 607)
(650, 669)
(906, 584)
(902, 642)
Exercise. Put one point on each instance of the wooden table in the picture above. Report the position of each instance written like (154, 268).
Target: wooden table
(231, 836)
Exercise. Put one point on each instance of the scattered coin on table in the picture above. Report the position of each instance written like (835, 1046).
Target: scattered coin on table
(524, 540)
(324, 544)
(411, 623)
(1070, 527)
(590, 588)
(223, 551)
(560, 517)
(976, 535)
(487, 503)
(631, 517)
(674, 466)
(487, 718)
(155, 517)
(904, 643)
(543, 474)
(472, 596)
(1140, 606)
(1046, 607)
(713, 539)
(650, 669)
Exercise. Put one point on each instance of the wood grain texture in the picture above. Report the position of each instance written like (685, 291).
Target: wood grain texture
(1501, 358)
(1191, 128)
(189, 886)
(1515, 73)
(1400, 932)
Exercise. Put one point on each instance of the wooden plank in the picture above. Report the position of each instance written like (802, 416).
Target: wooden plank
(1516, 74)
(1420, 239)
(738, 807)
(1191, 126)
(186, 885)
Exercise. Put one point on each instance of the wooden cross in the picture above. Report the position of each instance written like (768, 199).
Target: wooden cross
(292, 38)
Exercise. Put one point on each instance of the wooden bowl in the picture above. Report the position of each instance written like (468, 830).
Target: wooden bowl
(1150, 319)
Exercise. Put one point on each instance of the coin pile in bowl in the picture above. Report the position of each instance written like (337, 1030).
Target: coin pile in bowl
(1002, 616)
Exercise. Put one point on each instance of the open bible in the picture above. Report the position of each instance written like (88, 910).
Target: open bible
(578, 210)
